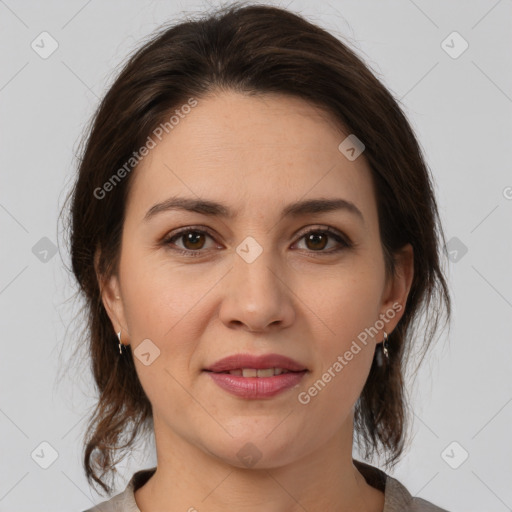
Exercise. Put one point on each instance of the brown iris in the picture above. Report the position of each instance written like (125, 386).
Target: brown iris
(193, 238)
(315, 237)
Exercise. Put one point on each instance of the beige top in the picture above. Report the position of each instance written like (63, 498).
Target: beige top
(396, 496)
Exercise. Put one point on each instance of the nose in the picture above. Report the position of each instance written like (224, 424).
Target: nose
(257, 296)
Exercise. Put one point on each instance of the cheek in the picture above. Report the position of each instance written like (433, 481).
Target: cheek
(157, 295)
(166, 304)
(348, 309)
(344, 361)
(347, 305)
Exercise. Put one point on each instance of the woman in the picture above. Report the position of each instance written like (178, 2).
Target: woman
(255, 233)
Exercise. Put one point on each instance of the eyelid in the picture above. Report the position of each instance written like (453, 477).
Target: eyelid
(324, 228)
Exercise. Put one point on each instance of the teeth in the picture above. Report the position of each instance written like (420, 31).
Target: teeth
(269, 372)
(253, 372)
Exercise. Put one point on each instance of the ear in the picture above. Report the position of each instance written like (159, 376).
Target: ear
(111, 297)
(398, 287)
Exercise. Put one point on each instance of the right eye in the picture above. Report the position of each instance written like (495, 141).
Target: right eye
(192, 238)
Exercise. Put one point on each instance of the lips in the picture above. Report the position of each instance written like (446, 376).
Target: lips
(262, 364)
(256, 377)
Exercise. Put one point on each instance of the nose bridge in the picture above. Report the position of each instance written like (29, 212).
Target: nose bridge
(256, 266)
(256, 296)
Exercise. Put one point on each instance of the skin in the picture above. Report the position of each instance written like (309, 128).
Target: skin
(256, 154)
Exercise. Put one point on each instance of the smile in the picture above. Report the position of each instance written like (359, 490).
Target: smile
(256, 384)
(253, 372)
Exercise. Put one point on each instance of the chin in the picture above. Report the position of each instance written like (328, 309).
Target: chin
(256, 451)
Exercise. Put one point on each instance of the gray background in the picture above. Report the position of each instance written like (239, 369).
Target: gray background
(461, 110)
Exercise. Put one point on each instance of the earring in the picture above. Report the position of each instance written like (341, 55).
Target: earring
(120, 346)
(382, 348)
(385, 346)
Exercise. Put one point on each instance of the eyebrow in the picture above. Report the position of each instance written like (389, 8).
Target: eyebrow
(215, 209)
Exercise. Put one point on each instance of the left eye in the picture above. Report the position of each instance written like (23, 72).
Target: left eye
(319, 239)
(194, 239)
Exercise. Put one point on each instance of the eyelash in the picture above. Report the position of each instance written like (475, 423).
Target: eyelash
(345, 241)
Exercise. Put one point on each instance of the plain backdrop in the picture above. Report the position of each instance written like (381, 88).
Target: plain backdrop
(459, 101)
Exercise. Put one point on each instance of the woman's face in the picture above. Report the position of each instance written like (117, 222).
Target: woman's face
(253, 283)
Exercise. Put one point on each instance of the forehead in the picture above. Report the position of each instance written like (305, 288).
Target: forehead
(251, 151)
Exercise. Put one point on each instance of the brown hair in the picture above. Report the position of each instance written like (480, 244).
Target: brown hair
(250, 49)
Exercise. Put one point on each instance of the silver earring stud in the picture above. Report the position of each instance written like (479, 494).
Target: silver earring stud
(120, 347)
(385, 346)
(382, 353)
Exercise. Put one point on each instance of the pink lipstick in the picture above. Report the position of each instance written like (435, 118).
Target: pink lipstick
(256, 377)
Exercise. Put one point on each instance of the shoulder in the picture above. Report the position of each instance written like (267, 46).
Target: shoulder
(396, 496)
(119, 503)
(398, 499)
(125, 501)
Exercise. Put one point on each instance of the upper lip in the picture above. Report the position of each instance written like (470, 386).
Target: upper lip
(240, 361)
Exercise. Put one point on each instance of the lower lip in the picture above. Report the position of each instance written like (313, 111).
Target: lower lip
(256, 387)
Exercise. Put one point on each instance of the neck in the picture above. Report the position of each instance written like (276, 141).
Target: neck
(188, 478)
